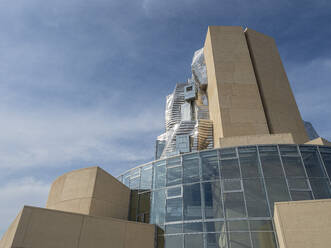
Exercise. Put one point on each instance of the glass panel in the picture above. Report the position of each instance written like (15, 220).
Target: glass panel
(193, 241)
(239, 240)
(260, 225)
(228, 153)
(277, 191)
(232, 185)
(190, 170)
(230, 169)
(158, 207)
(174, 241)
(216, 240)
(249, 162)
(213, 200)
(174, 228)
(298, 183)
(176, 161)
(159, 175)
(209, 165)
(174, 209)
(293, 167)
(192, 227)
(255, 196)
(126, 179)
(327, 162)
(234, 205)
(174, 176)
(217, 226)
(263, 240)
(270, 161)
(301, 195)
(192, 202)
(134, 182)
(288, 150)
(146, 177)
(321, 188)
(312, 163)
(173, 192)
(237, 225)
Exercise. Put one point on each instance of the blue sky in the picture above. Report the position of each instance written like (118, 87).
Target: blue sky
(83, 82)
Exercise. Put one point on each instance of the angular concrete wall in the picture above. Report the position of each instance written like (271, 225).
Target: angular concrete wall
(303, 224)
(234, 101)
(44, 228)
(280, 107)
(90, 191)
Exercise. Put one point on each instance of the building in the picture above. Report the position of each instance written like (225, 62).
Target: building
(235, 168)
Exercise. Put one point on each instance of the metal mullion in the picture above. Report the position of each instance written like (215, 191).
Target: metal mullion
(281, 163)
(220, 180)
(266, 192)
(323, 164)
(304, 168)
(243, 191)
(264, 183)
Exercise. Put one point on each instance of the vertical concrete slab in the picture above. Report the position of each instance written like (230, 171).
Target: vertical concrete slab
(279, 104)
(234, 101)
(303, 224)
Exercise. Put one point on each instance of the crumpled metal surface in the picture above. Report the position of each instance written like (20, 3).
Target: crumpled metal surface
(311, 132)
(189, 117)
(199, 70)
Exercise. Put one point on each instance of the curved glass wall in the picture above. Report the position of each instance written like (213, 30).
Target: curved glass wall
(224, 198)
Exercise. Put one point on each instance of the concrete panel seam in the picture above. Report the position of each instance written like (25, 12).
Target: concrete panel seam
(80, 231)
(258, 81)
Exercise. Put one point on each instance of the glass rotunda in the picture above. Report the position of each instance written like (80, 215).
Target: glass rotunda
(224, 198)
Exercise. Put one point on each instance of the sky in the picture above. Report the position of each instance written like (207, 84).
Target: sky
(83, 82)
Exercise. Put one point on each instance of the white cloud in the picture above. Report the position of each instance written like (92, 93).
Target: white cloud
(56, 138)
(15, 194)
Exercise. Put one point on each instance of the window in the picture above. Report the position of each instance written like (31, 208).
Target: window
(249, 162)
(213, 200)
(234, 205)
(191, 169)
(209, 165)
(257, 205)
(270, 161)
(192, 202)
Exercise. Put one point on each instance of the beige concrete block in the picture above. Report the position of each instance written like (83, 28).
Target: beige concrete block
(102, 233)
(232, 84)
(109, 189)
(79, 184)
(140, 236)
(282, 113)
(319, 141)
(51, 229)
(44, 228)
(303, 224)
(90, 191)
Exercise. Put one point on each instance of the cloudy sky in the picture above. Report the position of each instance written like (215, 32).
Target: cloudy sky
(83, 82)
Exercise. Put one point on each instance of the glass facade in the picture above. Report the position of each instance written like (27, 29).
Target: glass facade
(224, 198)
